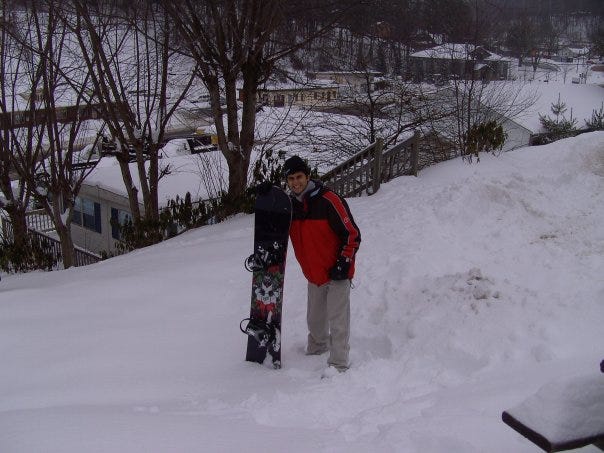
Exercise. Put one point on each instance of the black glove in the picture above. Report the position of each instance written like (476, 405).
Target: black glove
(340, 270)
(263, 188)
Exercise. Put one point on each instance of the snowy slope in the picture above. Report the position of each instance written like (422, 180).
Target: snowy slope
(476, 285)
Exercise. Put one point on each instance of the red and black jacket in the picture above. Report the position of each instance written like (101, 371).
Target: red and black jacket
(322, 230)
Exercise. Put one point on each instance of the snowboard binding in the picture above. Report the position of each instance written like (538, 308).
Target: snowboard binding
(262, 258)
(263, 332)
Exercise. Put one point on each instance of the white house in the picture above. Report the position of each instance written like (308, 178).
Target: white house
(353, 81)
(458, 60)
(570, 54)
(103, 196)
(315, 93)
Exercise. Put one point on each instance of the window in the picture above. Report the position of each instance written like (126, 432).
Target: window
(118, 218)
(87, 214)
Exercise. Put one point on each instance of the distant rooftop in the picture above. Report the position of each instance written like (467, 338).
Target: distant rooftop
(457, 52)
(347, 72)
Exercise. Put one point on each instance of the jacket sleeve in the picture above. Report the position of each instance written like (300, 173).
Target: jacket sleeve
(341, 222)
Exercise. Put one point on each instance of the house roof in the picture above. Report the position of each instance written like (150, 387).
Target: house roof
(457, 52)
(188, 173)
(362, 73)
(576, 50)
(293, 86)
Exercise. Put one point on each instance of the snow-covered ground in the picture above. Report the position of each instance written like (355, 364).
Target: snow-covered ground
(477, 284)
(580, 101)
(560, 72)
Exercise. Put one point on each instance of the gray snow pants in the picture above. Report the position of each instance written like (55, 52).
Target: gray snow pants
(328, 318)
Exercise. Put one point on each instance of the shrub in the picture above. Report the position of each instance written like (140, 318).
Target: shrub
(179, 215)
(483, 137)
(34, 254)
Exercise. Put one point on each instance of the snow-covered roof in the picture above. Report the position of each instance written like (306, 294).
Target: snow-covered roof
(361, 73)
(576, 50)
(457, 52)
(188, 173)
(294, 86)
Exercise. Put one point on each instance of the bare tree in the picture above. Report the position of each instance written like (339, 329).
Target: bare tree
(12, 61)
(596, 37)
(533, 38)
(141, 83)
(469, 103)
(46, 136)
(390, 109)
(235, 40)
(474, 104)
(521, 39)
(447, 18)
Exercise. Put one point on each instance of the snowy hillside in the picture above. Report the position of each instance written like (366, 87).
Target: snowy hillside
(476, 285)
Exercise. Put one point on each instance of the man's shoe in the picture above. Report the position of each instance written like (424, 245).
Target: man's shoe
(318, 352)
(332, 371)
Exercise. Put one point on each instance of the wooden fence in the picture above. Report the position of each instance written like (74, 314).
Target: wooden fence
(366, 170)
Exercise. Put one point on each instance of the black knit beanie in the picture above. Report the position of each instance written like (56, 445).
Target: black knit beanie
(295, 164)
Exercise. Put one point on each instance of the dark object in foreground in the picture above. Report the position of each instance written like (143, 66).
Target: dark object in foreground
(548, 445)
(562, 415)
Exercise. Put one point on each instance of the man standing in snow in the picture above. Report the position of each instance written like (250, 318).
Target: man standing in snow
(325, 240)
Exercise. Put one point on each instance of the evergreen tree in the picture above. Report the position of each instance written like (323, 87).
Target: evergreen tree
(560, 126)
(597, 119)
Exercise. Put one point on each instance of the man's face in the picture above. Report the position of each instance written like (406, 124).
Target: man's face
(297, 182)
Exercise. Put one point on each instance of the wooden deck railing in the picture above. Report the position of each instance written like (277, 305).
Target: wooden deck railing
(53, 245)
(357, 174)
(366, 170)
(38, 220)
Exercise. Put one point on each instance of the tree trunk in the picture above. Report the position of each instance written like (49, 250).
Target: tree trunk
(64, 232)
(238, 145)
(132, 192)
(19, 224)
(67, 247)
(152, 203)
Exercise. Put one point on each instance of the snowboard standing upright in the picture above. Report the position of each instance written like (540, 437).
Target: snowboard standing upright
(273, 212)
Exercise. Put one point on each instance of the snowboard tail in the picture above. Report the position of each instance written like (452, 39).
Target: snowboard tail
(267, 264)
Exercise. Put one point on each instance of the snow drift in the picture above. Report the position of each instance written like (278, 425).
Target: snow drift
(476, 285)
